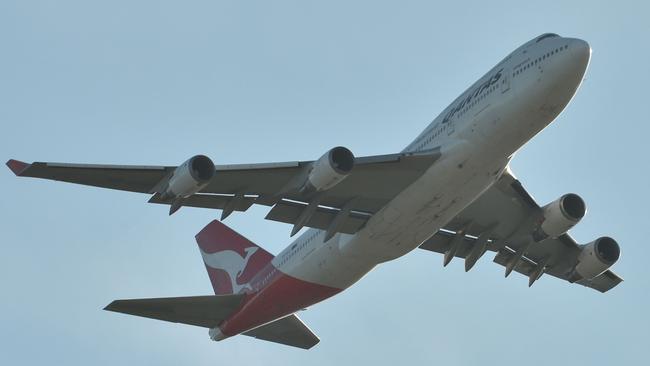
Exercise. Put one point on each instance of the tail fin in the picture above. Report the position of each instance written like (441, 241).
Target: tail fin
(231, 259)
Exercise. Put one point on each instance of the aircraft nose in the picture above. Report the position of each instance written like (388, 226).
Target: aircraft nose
(580, 53)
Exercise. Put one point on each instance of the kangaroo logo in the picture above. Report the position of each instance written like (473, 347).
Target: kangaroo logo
(232, 263)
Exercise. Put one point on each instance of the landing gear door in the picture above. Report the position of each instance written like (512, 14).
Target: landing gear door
(505, 81)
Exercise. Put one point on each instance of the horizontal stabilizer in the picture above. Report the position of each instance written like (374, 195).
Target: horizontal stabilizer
(202, 311)
(289, 330)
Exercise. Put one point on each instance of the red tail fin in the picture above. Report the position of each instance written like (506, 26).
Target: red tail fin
(231, 259)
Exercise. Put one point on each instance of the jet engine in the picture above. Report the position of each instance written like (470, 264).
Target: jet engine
(560, 215)
(189, 178)
(329, 170)
(597, 256)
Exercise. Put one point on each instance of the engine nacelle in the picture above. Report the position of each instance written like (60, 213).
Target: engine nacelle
(190, 177)
(560, 215)
(329, 170)
(597, 256)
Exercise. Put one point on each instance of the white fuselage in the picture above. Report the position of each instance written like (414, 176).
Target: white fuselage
(477, 135)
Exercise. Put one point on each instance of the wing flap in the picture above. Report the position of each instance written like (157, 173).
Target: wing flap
(289, 212)
(525, 265)
(208, 201)
(289, 330)
(441, 241)
(202, 311)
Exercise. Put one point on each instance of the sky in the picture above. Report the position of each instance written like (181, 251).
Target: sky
(155, 82)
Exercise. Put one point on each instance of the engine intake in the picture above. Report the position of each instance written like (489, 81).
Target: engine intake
(560, 215)
(573, 207)
(329, 170)
(597, 256)
(190, 177)
(201, 168)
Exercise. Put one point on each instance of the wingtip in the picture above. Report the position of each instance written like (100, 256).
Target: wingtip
(110, 307)
(17, 166)
(116, 306)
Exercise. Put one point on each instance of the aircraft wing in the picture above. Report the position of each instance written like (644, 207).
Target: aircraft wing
(372, 183)
(504, 220)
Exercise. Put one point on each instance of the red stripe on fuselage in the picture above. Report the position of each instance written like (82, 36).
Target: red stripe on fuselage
(275, 295)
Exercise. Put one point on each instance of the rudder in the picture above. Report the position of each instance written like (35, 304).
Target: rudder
(230, 259)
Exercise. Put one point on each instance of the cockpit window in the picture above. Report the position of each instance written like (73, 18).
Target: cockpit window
(546, 35)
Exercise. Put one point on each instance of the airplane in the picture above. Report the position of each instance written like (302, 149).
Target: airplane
(450, 191)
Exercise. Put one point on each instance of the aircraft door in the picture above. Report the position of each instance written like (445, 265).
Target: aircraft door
(505, 81)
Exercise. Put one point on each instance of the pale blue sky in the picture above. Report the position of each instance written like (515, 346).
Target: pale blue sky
(154, 82)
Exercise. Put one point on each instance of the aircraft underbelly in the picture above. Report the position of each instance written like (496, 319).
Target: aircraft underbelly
(413, 216)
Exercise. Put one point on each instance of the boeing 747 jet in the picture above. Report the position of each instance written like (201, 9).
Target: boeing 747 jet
(450, 191)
